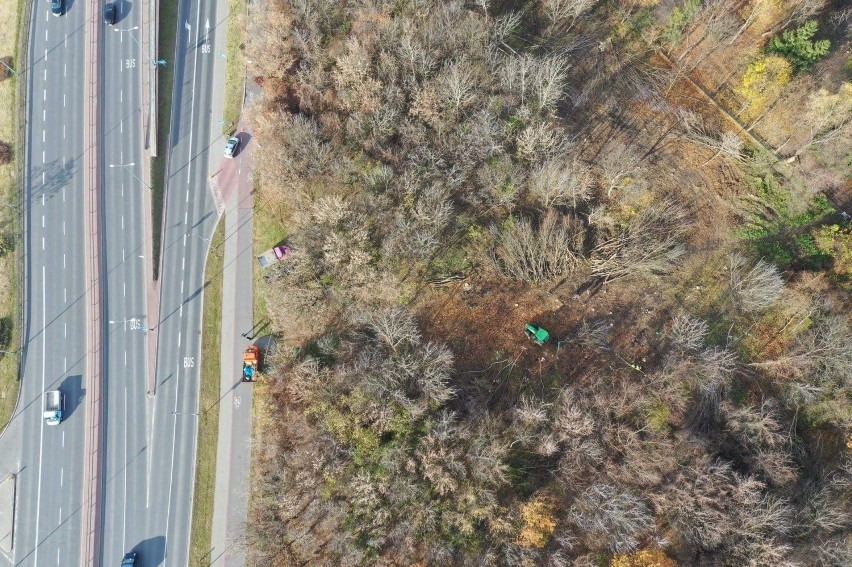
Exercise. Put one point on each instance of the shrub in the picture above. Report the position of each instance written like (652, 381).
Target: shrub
(796, 45)
(5, 153)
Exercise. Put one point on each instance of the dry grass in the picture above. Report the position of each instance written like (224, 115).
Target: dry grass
(10, 11)
(208, 425)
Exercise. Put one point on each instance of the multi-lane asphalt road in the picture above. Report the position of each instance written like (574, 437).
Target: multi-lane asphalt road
(127, 410)
(49, 496)
(190, 217)
(149, 441)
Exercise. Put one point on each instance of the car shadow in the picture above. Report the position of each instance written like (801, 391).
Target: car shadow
(152, 552)
(122, 10)
(72, 393)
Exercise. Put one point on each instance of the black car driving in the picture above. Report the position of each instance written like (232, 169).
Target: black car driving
(109, 13)
(56, 7)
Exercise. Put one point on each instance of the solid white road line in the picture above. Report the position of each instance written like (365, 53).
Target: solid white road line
(43, 374)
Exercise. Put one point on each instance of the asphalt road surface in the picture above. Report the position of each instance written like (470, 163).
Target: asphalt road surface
(47, 520)
(190, 218)
(128, 411)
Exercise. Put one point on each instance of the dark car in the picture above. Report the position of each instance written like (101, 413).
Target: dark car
(129, 560)
(56, 7)
(231, 147)
(109, 13)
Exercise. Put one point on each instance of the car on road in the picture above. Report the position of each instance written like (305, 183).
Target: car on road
(56, 7)
(129, 559)
(109, 13)
(231, 147)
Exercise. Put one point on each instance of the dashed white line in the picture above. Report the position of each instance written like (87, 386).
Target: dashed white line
(64, 266)
(41, 421)
(62, 471)
(42, 221)
(42, 243)
(65, 294)
(186, 217)
(183, 264)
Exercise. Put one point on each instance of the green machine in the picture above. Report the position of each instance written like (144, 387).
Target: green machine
(537, 334)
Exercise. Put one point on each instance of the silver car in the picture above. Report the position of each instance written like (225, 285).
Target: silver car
(231, 147)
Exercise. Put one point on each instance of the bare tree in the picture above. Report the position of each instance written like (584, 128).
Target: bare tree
(610, 513)
(688, 332)
(648, 244)
(556, 184)
(756, 288)
(563, 14)
(532, 253)
(617, 163)
(729, 144)
(824, 350)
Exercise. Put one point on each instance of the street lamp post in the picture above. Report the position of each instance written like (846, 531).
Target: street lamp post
(184, 413)
(128, 166)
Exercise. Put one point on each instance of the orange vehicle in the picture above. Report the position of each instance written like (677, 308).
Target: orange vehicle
(251, 363)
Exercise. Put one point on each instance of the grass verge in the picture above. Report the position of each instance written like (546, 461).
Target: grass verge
(208, 420)
(11, 251)
(165, 79)
(234, 67)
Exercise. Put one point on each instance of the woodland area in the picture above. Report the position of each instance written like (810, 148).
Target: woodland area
(661, 184)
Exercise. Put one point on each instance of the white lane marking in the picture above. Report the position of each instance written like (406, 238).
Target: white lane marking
(183, 263)
(122, 250)
(63, 131)
(44, 117)
(124, 286)
(172, 472)
(181, 286)
(121, 127)
(60, 523)
(63, 228)
(122, 228)
(62, 471)
(44, 92)
(121, 93)
(65, 330)
(65, 67)
(179, 340)
(42, 199)
(43, 158)
(59, 549)
(45, 36)
(42, 178)
(148, 454)
(185, 236)
(43, 134)
(45, 74)
(125, 364)
(63, 194)
(43, 374)
(64, 266)
(65, 365)
(126, 463)
(63, 100)
(180, 311)
(186, 217)
(42, 221)
(63, 441)
(42, 243)
(65, 294)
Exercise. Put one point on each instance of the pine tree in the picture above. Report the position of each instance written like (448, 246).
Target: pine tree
(796, 45)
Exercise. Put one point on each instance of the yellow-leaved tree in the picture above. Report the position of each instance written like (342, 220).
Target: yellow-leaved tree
(538, 526)
(648, 557)
(762, 82)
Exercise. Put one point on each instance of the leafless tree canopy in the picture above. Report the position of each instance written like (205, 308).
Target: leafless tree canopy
(532, 253)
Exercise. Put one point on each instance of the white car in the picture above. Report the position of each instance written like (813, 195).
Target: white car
(231, 147)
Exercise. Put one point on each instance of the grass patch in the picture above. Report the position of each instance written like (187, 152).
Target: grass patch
(165, 82)
(11, 34)
(234, 67)
(208, 424)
